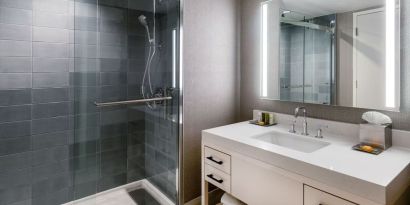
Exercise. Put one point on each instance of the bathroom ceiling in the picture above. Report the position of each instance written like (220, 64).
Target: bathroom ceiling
(314, 8)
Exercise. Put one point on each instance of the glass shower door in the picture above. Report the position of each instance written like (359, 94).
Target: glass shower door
(126, 101)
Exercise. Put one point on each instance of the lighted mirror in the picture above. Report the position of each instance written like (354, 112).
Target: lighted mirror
(331, 52)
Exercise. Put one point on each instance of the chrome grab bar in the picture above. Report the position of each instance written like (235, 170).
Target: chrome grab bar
(130, 102)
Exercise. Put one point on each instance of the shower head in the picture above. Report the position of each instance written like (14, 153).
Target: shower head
(143, 20)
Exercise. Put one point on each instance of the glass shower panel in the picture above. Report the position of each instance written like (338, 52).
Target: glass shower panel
(319, 61)
(291, 62)
(126, 50)
(307, 58)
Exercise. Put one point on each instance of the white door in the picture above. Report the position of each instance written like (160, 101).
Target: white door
(369, 51)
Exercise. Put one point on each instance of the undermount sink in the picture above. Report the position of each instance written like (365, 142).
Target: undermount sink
(291, 141)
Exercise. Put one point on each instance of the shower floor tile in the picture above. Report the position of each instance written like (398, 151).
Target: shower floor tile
(142, 197)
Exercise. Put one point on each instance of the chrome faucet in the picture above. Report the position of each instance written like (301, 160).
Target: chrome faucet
(305, 128)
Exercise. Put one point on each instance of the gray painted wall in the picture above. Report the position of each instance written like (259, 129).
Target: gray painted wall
(250, 75)
(210, 78)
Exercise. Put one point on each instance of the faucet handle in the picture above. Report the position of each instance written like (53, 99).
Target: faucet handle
(319, 133)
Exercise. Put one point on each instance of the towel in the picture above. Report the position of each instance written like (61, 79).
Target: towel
(228, 199)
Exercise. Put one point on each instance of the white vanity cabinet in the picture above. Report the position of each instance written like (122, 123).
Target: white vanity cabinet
(313, 196)
(258, 183)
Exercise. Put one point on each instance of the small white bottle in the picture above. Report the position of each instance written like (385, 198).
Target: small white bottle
(271, 119)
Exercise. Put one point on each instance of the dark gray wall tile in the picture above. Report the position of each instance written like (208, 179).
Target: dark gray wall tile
(110, 182)
(112, 39)
(48, 95)
(84, 51)
(52, 20)
(51, 184)
(15, 16)
(10, 48)
(56, 6)
(15, 97)
(113, 93)
(50, 140)
(51, 35)
(15, 64)
(42, 80)
(15, 113)
(20, 4)
(15, 194)
(113, 26)
(17, 178)
(51, 50)
(50, 65)
(10, 163)
(85, 65)
(50, 110)
(115, 52)
(51, 155)
(14, 145)
(86, 9)
(50, 125)
(113, 65)
(84, 37)
(15, 32)
(43, 172)
(84, 23)
(86, 79)
(15, 129)
(113, 78)
(61, 196)
(15, 81)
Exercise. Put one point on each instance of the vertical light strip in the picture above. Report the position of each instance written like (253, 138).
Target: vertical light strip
(390, 54)
(174, 58)
(264, 45)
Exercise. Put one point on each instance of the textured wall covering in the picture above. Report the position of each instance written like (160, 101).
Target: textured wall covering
(57, 57)
(210, 78)
(250, 75)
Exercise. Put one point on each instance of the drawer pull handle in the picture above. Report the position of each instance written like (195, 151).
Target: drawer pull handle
(211, 176)
(212, 159)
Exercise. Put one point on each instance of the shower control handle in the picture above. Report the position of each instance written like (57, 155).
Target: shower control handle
(211, 176)
(213, 160)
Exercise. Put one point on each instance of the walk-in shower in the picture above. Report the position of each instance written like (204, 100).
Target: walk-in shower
(90, 102)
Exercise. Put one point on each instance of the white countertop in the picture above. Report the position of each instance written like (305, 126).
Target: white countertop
(366, 175)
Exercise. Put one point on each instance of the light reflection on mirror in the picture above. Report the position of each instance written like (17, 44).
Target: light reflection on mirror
(332, 52)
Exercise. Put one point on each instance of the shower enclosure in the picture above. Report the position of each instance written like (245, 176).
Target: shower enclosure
(89, 102)
(307, 64)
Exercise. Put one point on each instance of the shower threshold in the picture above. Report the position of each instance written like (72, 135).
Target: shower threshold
(136, 193)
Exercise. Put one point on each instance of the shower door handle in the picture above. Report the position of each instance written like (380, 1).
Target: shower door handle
(131, 102)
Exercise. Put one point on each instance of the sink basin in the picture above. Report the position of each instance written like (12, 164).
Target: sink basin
(291, 141)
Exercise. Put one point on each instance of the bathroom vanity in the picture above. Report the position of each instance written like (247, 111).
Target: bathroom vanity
(270, 166)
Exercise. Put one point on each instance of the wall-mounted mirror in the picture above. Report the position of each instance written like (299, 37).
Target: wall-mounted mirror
(331, 52)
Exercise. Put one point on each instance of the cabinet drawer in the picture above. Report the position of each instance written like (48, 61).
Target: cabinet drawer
(217, 159)
(317, 197)
(218, 178)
